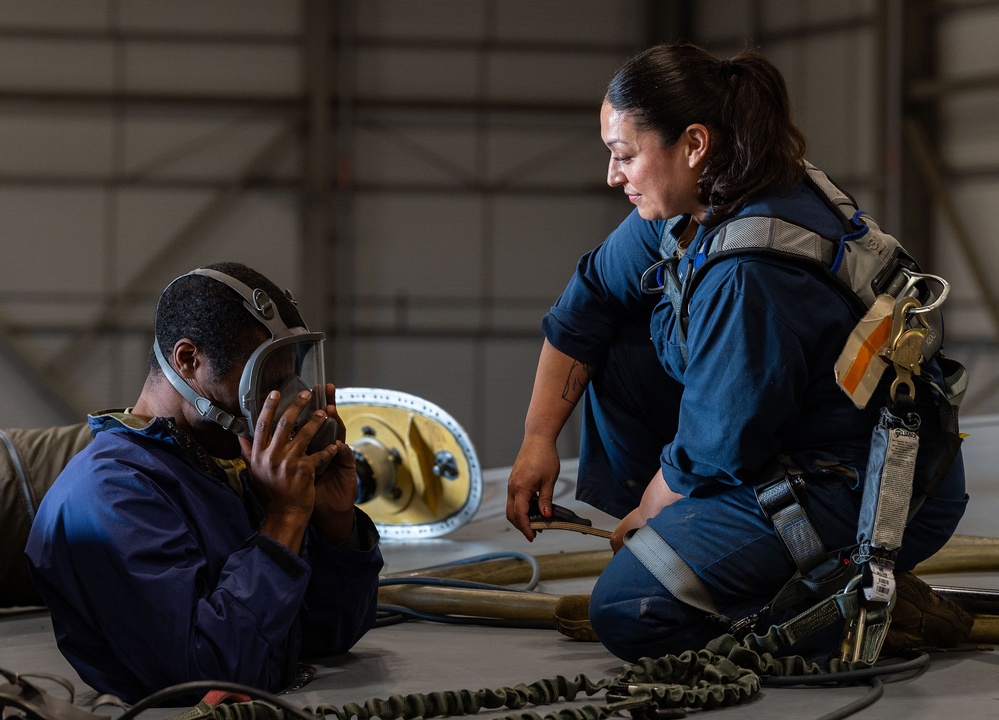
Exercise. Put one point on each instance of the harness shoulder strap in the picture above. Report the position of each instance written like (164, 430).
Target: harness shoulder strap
(864, 261)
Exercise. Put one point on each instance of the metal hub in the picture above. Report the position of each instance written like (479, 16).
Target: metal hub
(418, 474)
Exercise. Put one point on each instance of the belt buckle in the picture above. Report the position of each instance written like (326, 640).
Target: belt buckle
(779, 494)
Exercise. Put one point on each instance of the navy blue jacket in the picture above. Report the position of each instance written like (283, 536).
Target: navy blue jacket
(151, 565)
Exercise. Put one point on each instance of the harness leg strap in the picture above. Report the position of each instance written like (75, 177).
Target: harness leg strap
(660, 559)
(780, 503)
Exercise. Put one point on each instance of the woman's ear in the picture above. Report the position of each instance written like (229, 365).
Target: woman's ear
(698, 139)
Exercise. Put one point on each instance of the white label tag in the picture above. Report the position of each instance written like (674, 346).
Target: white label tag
(883, 581)
(896, 489)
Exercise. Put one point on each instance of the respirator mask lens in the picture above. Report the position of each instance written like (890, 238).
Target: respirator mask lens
(289, 365)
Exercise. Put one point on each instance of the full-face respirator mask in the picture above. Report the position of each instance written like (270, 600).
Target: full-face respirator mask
(289, 362)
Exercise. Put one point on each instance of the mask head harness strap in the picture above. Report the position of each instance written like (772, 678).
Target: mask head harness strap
(258, 302)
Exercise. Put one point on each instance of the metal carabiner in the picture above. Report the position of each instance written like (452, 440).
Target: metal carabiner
(905, 347)
(903, 307)
(655, 274)
(913, 278)
(851, 632)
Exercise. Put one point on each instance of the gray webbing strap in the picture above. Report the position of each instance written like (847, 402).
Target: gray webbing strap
(781, 505)
(670, 569)
(674, 291)
(843, 605)
(671, 285)
(834, 609)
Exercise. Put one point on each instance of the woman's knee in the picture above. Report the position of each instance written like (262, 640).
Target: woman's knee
(634, 622)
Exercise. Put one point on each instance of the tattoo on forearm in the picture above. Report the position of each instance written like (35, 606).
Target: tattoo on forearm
(579, 375)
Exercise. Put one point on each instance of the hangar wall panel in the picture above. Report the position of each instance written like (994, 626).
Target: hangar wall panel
(140, 139)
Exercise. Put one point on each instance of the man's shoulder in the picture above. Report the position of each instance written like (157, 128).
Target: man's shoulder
(116, 455)
(123, 421)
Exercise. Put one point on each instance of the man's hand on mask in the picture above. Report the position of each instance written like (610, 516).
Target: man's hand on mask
(336, 488)
(283, 474)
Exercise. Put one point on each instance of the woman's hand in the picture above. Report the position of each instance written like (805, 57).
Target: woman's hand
(656, 496)
(533, 475)
(558, 386)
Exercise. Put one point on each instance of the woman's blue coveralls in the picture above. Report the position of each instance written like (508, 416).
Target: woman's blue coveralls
(763, 337)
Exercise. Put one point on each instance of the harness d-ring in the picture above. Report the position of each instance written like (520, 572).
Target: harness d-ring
(654, 274)
(915, 277)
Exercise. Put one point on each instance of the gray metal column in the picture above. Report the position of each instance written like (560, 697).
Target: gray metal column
(343, 254)
(890, 98)
(318, 279)
(914, 56)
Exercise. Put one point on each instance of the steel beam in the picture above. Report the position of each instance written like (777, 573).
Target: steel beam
(317, 163)
(202, 223)
(343, 238)
(928, 165)
(58, 393)
(918, 57)
(282, 103)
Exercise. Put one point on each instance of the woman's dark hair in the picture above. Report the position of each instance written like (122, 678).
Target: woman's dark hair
(213, 316)
(756, 148)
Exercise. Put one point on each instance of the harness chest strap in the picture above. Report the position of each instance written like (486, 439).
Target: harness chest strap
(864, 262)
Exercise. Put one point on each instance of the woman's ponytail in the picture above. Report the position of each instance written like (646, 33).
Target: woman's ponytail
(759, 147)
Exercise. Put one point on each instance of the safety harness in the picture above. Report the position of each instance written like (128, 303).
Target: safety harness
(900, 329)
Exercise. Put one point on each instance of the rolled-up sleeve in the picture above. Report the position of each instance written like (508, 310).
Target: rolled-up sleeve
(605, 289)
(342, 596)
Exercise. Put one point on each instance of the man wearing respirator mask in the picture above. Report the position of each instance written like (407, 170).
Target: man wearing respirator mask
(209, 532)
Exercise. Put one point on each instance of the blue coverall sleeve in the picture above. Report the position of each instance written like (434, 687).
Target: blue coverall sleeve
(604, 290)
(752, 344)
(342, 597)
